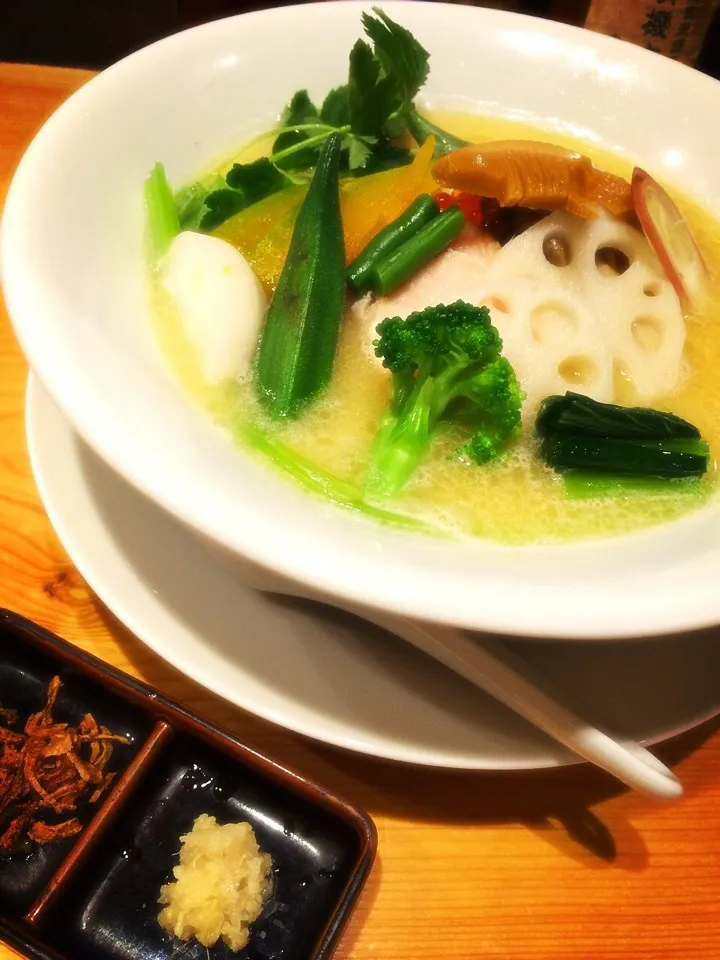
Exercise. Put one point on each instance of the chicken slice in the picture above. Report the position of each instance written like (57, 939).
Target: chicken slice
(457, 274)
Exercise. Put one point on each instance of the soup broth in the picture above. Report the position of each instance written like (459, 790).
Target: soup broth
(515, 499)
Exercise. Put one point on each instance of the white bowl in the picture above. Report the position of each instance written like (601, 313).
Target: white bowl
(73, 276)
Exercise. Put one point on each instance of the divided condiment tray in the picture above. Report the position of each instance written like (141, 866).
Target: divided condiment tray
(94, 895)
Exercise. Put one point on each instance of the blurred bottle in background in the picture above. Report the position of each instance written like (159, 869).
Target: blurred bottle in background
(685, 30)
(675, 28)
(94, 33)
(567, 11)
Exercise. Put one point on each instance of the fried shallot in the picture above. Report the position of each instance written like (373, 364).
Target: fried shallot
(47, 769)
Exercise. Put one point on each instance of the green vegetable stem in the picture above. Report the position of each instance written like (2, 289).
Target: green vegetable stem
(400, 265)
(298, 344)
(593, 486)
(421, 211)
(420, 129)
(315, 480)
(162, 215)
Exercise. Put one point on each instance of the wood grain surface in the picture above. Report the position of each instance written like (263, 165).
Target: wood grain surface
(542, 866)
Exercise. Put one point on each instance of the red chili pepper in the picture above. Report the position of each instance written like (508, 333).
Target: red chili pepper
(469, 203)
(445, 198)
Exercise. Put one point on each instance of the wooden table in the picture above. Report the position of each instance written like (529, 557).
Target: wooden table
(495, 867)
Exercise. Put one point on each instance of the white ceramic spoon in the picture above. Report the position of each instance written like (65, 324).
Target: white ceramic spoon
(492, 667)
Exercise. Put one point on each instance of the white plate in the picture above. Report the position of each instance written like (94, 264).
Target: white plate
(324, 674)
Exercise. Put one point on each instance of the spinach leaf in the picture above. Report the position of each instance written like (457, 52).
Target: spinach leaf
(575, 413)
(578, 434)
(592, 454)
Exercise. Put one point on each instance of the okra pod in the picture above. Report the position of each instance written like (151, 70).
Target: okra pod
(299, 340)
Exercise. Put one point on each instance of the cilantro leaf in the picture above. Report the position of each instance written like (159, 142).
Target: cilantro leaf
(372, 109)
(363, 75)
(300, 110)
(399, 53)
(384, 156)
(360, 150)
(190, 201)
(372, 97)
(383, 81)
(221, 205)
(246, 184)
(256, 180)
(336, 107)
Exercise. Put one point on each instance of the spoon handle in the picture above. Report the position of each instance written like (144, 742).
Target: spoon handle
(507, 677)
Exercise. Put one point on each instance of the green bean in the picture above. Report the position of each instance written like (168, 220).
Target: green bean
(400, 265)
(421, 211)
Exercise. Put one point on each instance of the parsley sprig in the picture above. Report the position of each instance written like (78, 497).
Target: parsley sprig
(369, 112)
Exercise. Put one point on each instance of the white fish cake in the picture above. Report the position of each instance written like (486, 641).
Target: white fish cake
(220, 302)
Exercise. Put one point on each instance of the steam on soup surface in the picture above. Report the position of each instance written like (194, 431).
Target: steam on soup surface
(579, 296)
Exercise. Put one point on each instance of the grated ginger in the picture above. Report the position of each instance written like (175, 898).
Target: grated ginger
(220, 884)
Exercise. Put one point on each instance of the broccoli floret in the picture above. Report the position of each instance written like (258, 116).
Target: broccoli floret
(446, 367)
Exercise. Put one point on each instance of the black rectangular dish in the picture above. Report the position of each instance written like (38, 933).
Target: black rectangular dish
(94, 894)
